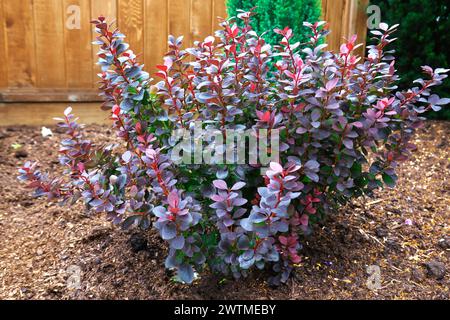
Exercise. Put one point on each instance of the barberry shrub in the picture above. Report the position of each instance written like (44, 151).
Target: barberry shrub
(344, 127)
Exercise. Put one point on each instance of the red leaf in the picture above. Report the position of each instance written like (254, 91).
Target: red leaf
(161, 74)
(139, 128)
(116, 109)
(161, 67)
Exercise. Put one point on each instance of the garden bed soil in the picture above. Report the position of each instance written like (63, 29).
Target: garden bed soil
(40, 241)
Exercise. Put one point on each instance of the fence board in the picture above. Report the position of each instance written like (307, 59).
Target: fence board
(78, 47)
(108, 9)
(156, 33)
(20, 43)
(201, 14)
(130, 20)
(3, 51)
(179, 18)
(345, 18)
(219, 10)
(360, 23)
(50, 57)
(334, 9)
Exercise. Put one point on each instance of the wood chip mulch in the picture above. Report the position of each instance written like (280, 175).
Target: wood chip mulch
(404, 232)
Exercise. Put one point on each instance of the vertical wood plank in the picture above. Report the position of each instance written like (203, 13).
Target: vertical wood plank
(339, 23)
(324, 9)
(345, 17)
(351, 28)
(360, 24)
(201, 14)
(50, 59)
(179, 20)
(21, 61)
(333, 14)
(346, 24)
(3, 51)
(156, 32)
(130, 16)
(78, 47)
(108, 9)
(219, 10)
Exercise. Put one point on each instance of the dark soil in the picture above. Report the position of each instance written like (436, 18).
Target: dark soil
(41, 241)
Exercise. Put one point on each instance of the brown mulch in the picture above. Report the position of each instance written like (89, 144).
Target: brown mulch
(40, 241)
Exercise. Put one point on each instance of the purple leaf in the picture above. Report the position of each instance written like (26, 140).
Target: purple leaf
(331, 84)
(357, 124)
(315, 115)
(239, 202)
(276, 167)
(126, 157)
(220, 184)
(177, 242)
(96, 202)
(312, 165)
(348, 143)
(169, 231)
(68, 111)
(238, 186)
(186, 273)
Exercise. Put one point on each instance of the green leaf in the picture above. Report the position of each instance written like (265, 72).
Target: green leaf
(16, 146)
(326, 169)
(388, 180)
(356, 169)
(132, 90)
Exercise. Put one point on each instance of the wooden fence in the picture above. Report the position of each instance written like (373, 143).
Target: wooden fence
(45, 60)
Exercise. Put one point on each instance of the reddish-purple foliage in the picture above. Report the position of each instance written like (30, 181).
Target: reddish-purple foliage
(332, 109)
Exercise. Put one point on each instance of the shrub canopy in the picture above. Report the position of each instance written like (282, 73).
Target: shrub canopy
(342, 130)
